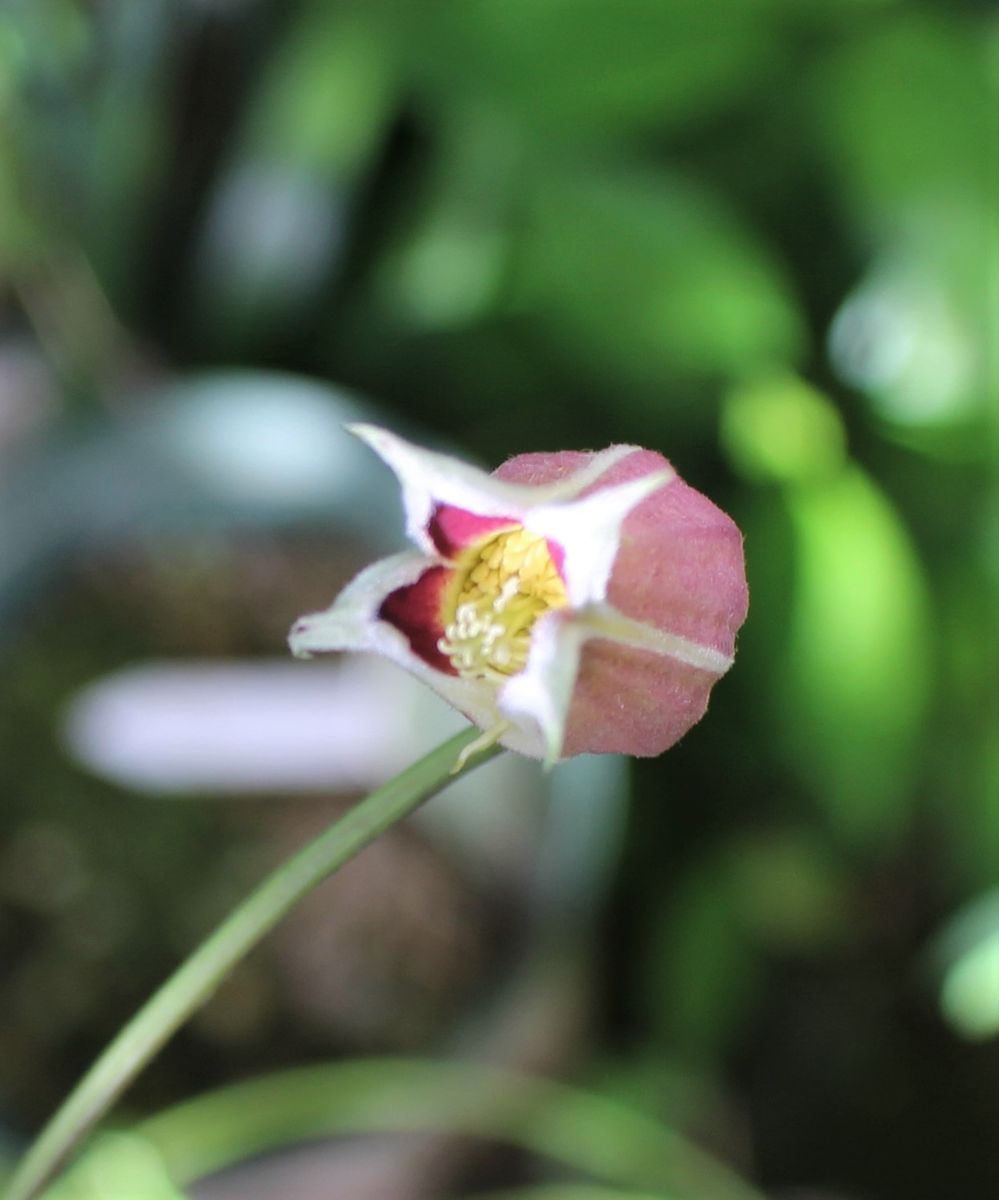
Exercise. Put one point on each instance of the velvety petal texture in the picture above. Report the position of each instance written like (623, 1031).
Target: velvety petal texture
(571, 602)
(679, 570)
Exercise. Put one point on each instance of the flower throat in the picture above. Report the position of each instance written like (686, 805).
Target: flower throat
(501, 588)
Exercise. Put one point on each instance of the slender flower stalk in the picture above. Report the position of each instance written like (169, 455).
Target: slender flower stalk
(569, 602)
(195, 981)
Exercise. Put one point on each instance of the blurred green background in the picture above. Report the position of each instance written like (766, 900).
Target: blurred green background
(758, 235)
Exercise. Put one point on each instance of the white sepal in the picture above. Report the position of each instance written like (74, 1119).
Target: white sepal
(429, 479)
(352, 623)
(537, 700)
(589, 532)
(604, 621)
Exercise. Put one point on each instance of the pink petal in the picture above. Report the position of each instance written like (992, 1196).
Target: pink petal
(680, 569)
(415, 610)
(452, 529)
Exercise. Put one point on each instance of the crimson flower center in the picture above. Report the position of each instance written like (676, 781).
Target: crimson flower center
(500, 588)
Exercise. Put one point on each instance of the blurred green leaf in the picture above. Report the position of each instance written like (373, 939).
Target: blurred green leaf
(779, 429)
(967, 954)
(328, 88)
(445, 267)
(906, 122)
(42, 40)
(39, 44)
(120, 1166)
(906, 110)
(125, 142)
(704, 970)
(21, 233)
(649, 277)
(916, 334)
(584, 70)
(788, 890)
(592, 1134)
(970, 993)
(858, 662)
(779, 891)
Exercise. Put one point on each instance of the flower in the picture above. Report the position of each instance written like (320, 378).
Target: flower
(570, 602)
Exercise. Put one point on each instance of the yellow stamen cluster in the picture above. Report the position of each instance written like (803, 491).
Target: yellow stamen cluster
(500, 590)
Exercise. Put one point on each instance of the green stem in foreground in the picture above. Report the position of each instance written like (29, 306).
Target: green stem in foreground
(192, 984)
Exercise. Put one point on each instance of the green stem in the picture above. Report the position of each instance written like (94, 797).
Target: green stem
(192, 984)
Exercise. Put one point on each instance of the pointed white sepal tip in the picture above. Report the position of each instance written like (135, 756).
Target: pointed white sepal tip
(551, 760)
(661, 478)
(298, 639)
(370, 434)
(321, 633)
(645, 486)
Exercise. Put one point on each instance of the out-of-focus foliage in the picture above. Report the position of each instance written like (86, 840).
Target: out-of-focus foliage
(967, 959)
(759, 235)
(592, 1136)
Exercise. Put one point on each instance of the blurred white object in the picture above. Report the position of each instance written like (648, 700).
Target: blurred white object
(254, 726)
(271, 232)
(263, 439)
(278, 728)
(965, 956)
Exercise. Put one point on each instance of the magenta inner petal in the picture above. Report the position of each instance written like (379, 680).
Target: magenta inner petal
(415, 611)
(557, 556)
(452, 529)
